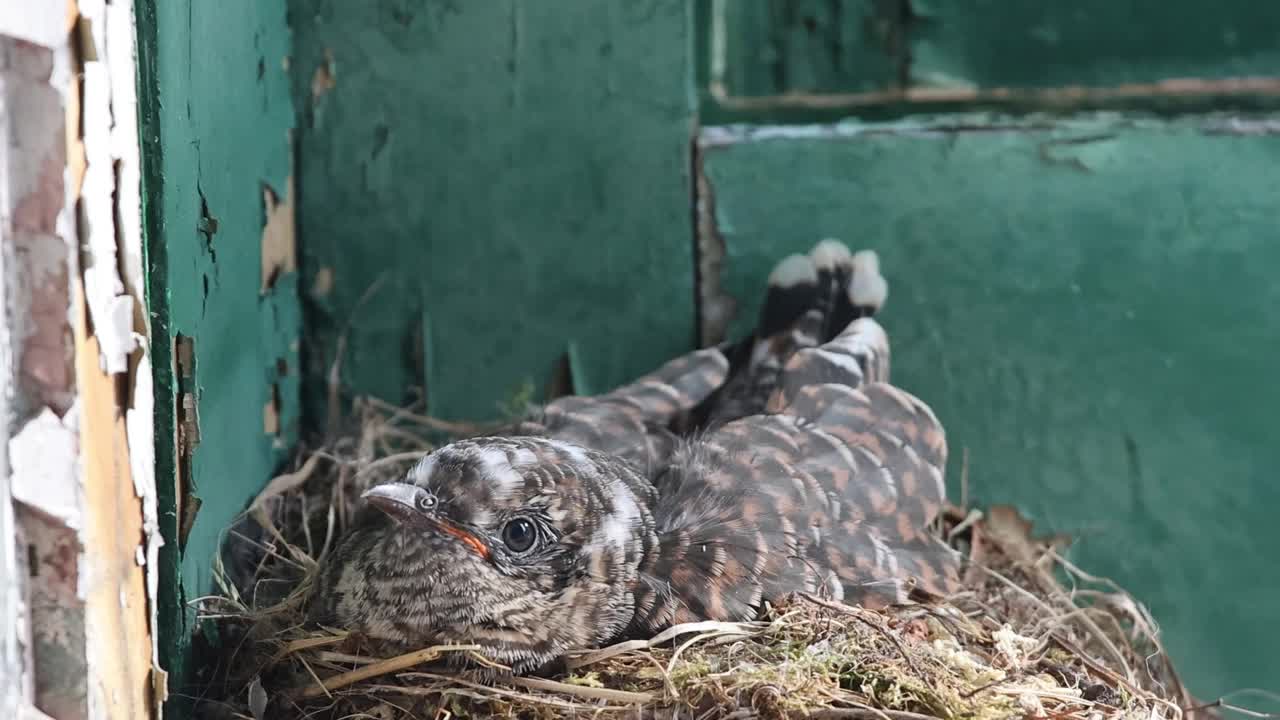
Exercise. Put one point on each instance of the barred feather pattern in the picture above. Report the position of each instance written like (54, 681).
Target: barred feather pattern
(666, 500)
(634, 422)
(831, 492)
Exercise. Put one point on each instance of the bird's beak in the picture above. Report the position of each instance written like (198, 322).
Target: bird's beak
(399, 500)
(395, 499)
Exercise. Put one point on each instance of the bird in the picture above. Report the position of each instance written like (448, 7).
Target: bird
(727, 478)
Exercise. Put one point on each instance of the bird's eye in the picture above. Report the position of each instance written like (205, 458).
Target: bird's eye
(426, 501)
(518, 535)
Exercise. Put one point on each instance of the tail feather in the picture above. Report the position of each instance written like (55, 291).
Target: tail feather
(810, 300)
(792, 289)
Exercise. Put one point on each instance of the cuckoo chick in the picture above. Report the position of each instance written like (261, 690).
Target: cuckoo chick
(729, 476)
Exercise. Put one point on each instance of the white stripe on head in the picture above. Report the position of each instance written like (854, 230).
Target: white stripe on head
(523, 457)
(573, 452)
(620, 527)
(422, 470)
(496, 470)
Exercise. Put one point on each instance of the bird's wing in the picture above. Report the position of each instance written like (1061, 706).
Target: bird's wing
(634, 421)
(833, 490)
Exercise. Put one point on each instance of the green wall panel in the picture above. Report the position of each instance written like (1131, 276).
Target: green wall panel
(1090, 306)
(770, 47)
(216, 112)
(825, 47)
(510, 178)
(1007, 43)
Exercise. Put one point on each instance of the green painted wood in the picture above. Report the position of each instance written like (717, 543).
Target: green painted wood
(826, 47)
(999, 43)
(513, 177)
(215, 114)
(772, 47)
(1090, 307)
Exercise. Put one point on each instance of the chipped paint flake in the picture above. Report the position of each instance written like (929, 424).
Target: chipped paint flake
(43, 457)
(322, 285)
(323, 80)
(110, 309)
(279, 251)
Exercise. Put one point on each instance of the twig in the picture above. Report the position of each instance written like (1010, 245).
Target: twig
(1221, 702)
(867, 713)
(974, 516)
(488, 692)
(382, 667)
(857, 615)
(1093, 665)
(334, 390)
(446, 426)
(305, 644)
(621, 696)
(285, 482)
(414, 455)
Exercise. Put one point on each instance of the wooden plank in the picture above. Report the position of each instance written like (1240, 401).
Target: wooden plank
(118, 526)
(1088, 304)
(1094, 43)
(774, 47)
(216, 116)
(532, 196)
(117, 615)
(815, 59)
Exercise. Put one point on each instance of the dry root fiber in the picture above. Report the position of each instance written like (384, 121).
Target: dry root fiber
(1032, 636)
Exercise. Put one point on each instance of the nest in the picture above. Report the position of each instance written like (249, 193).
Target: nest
(1032, 636)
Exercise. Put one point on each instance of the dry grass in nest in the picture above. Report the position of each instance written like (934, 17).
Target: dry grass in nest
(1033, 636)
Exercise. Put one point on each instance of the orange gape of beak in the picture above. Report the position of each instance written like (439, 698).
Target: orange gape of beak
(400, 501)
(467, 539)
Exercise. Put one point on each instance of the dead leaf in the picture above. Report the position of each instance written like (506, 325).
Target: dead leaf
(257, 699)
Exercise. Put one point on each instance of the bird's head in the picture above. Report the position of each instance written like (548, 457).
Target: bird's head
(523, 546)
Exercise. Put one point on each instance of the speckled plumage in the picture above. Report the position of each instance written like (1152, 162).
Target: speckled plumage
(725, 478)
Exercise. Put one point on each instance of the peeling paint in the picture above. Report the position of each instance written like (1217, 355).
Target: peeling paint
(113, 370)
(110, 309)
(525, 135)
(38, 484)
(716, 308)
(323, 80)
(56, 588)
(322, 285)
(279, 250)
(43, 457)
(271, 412)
